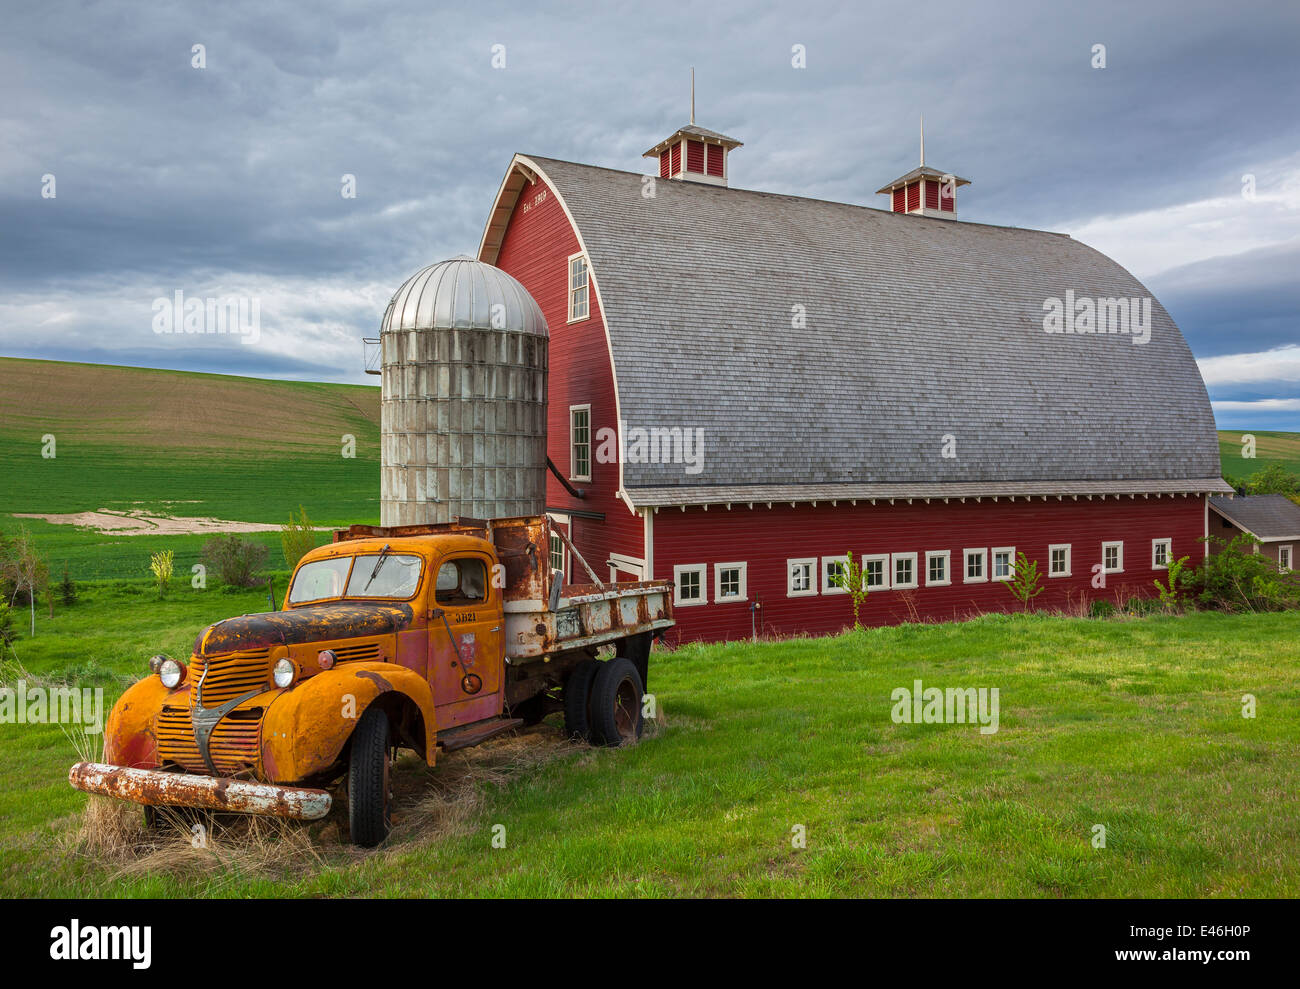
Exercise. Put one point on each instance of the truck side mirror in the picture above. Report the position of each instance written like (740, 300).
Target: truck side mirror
(557, 585)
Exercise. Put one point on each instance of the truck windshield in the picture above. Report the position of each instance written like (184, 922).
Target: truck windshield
(321, 579)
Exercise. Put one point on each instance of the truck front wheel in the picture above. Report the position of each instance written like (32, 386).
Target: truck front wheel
(615, 706)
(368, 816)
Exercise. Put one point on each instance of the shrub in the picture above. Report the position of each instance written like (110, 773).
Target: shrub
(1273, 479)
(24, 569)
(67, 588)
(850, 576)
(1236, 578)
(1171, 595)
(7, 633)
(297, 538)
(160, 565)
(1100, 609)
(1026, 582)
(236, 561)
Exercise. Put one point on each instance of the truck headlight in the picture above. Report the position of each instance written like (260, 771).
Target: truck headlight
(283, 672)
(171, 673)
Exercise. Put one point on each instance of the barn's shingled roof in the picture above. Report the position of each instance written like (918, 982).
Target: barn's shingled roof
(1270, 517)
(916, 329)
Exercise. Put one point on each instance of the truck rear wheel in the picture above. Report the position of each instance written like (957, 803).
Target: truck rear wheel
(577, 695)
(615, 707)
(368, 816)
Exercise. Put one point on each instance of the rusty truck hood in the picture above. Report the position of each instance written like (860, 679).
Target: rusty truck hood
(333, 620)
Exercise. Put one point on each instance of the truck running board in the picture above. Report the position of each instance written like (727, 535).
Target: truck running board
(463, 738)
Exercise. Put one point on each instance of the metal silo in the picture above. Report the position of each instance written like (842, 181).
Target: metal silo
(463, 421)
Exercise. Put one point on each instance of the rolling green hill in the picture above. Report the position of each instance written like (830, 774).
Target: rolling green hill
(177, 443)
(1270, 447)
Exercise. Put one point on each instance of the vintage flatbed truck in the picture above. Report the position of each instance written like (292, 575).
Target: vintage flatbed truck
(418, 637)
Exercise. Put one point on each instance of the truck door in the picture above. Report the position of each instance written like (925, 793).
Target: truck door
(466, 644)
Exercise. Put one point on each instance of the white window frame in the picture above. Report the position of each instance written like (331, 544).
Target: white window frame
(1290, 557)
(573, 445)
(1069, 559)
(790, 591)
(827, 586)
(1119, 556)
(947, 567)
(564, 555)
(993, 563)
(894, 559)
(983, 554)
(886, 577)
(572, 289)
(700, 568)
(620, 562)
(1169, 553)
(717, 582)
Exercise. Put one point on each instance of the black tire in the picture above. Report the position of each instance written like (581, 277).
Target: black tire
(577, 694)
(368, 814)
(615, 708)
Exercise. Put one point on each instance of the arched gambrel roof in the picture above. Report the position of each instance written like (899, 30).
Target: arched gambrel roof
(829, 350)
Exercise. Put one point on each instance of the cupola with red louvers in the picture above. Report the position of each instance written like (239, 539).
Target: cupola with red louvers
(924, 191)
(693, 153)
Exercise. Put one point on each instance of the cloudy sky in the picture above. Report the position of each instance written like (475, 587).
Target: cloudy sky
(1180, 158)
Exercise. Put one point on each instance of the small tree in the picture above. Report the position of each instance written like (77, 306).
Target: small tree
(25, 570)
(6, 625)
(160, 565)
(297, 538)
(1026, 582)
(236, 561)
(1171, 595)
(67, 588)
(851, 577)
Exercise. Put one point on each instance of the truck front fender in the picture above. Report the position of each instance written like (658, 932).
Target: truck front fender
(129, 734)
(307, 726)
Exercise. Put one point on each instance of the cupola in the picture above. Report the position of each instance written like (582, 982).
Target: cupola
(693, 153)
(924, 191)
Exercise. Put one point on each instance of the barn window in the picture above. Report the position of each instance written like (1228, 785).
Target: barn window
(729, 581)
(833, 569)
(876, 571)
(1004, 562)
(1112, 557)
(556, 555)
(904, 570)
(976, 566)
(578, 307)
(688, 585)
(579, 442)
(1284, 557)
(936, 568)
(1160, 550)
(1058, 560)
(801, 577)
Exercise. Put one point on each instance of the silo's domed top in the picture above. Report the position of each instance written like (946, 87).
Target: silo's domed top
(463, 294)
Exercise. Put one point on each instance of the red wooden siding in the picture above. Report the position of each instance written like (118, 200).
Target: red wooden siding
(676, 158)
(535, 250)
(946, 200)
(695, 156)
(900, 200)
(715, 155)
(913, 196)
(765, 539)
(663, 164)
(931, 194)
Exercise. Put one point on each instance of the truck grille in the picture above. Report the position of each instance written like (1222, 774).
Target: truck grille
(230, 675)
(234, 747)
(368, 651)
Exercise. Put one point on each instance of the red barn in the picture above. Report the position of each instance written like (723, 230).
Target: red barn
(746, 386)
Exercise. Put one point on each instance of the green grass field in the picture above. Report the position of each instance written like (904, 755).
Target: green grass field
(1132, 724)
(177, 444)
(1271, 447)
